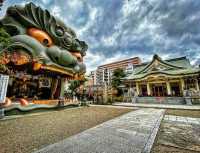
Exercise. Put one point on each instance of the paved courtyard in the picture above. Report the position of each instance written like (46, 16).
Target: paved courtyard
(133, 132)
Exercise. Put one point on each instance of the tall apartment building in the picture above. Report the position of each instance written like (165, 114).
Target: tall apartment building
(93, 76)
(103, 74)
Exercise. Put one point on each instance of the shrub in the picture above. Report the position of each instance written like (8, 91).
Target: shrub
(118, 99)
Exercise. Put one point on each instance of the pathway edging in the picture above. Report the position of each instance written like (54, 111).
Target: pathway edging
(152, 137)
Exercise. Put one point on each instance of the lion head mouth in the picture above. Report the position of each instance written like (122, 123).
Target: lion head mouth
(28, 50)
(44, 40)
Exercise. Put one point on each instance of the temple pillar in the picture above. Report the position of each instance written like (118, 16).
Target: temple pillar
(54, 87)
(62, 92)
(168, 88)
(148, 89)
(182, 85)
(137, 88)
(197, 84)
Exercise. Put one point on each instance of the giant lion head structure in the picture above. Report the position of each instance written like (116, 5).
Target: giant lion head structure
(42, 41)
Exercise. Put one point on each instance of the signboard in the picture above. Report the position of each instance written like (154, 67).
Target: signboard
(3, 87)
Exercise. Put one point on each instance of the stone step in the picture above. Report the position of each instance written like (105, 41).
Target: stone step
(162, 100)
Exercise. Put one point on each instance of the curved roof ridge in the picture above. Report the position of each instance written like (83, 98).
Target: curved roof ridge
(156, 57)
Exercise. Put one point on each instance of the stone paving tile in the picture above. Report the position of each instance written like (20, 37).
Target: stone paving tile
(133, 132)
(193, 121)
(182, 119)
(187, 120)
(172, 118)
(166, 117)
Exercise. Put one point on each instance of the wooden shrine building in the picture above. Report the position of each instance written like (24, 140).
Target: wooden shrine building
(162, 78)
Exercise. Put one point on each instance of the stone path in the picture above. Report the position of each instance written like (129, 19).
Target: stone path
(162, 106)
(187, 120)
(133, 132)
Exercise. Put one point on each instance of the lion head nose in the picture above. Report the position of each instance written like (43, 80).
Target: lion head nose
(78, 56)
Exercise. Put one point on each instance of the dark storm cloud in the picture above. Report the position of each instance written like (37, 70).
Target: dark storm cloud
(116, 29)
(181, 17)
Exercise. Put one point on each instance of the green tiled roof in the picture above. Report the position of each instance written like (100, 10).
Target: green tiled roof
(183, 62)
(178, 66)
(168, 72)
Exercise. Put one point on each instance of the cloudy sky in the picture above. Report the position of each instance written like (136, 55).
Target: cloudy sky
(119, 29)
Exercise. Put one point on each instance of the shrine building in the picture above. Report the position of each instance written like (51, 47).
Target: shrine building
(162, 78)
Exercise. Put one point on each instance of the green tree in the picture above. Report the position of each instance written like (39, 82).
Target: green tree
(74, 84)
(5, 39)
(118, 74)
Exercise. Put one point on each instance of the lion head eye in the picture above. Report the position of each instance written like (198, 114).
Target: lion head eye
(41, 36)
(46, 42)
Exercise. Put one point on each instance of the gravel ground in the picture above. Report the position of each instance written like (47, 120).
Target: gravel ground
(29, 133)
(176, 137)
(186, 113)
